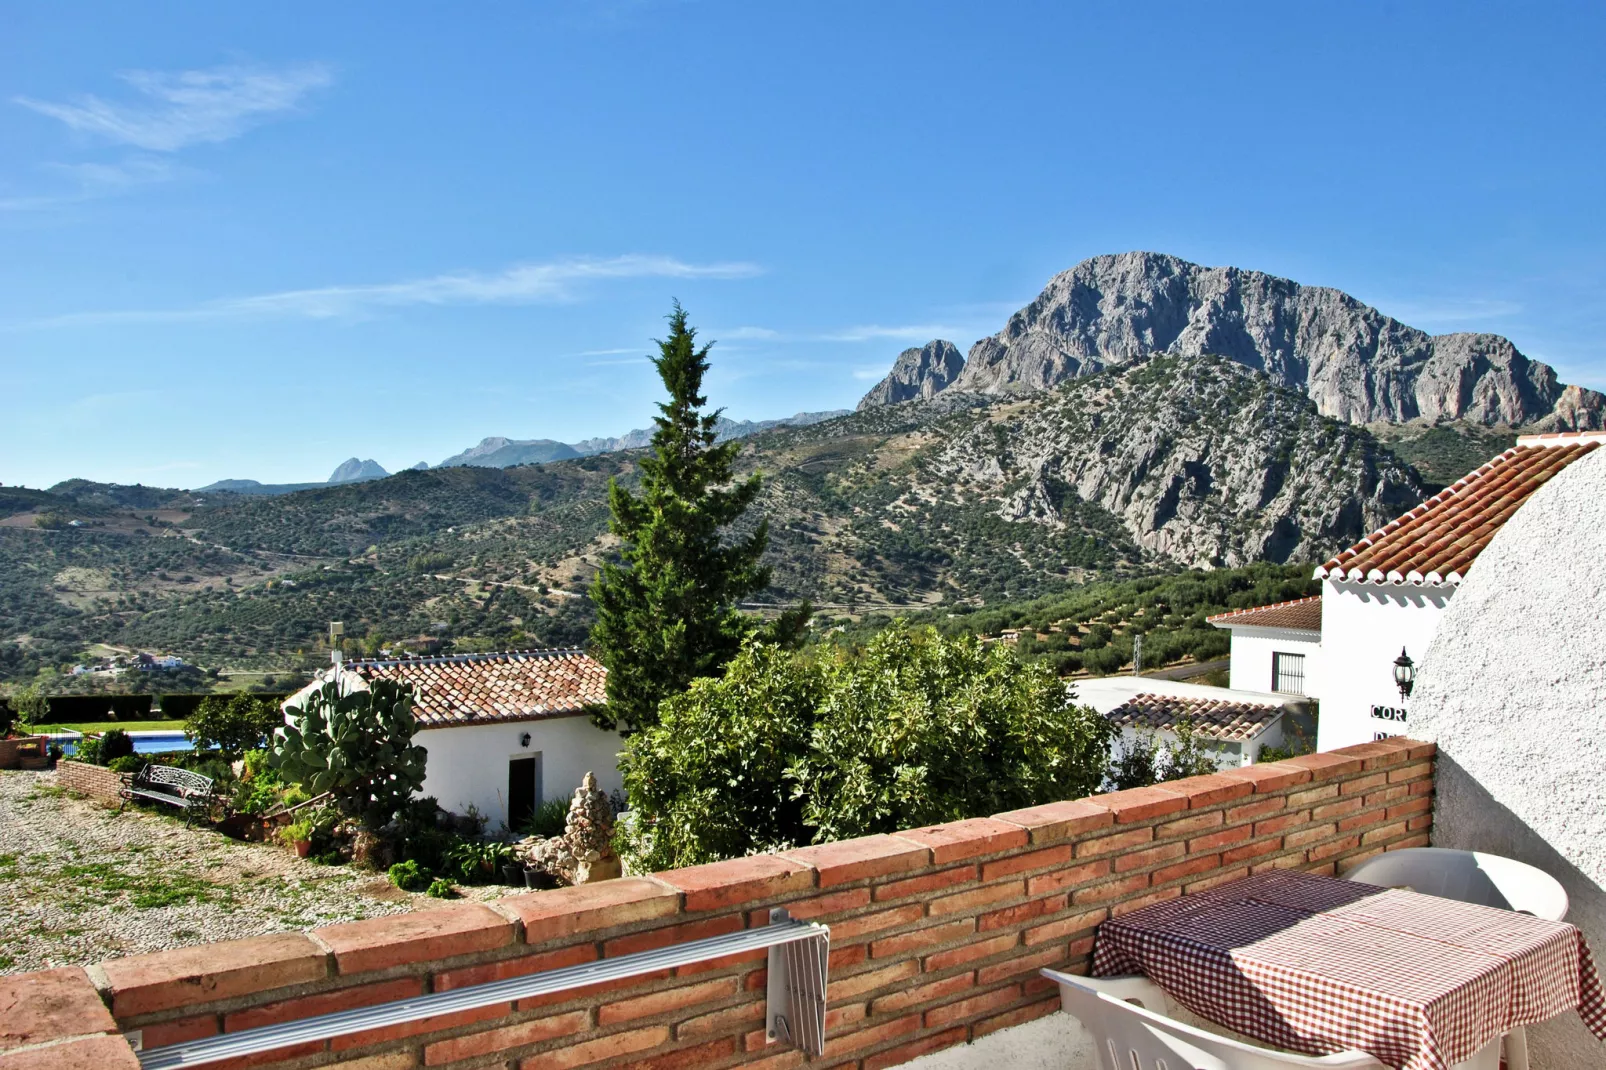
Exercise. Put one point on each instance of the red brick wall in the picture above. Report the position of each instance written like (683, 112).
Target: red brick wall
(12, 751)
(96, 781)
(937, 934)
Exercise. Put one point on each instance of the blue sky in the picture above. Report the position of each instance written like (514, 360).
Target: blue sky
(254, 240)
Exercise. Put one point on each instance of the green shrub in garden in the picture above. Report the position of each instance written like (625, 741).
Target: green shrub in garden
(409, 876)
(115, 744)
(440, 888)
(790, 748)
(127, 763)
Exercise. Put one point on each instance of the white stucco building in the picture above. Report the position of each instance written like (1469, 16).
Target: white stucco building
(1513, 691)
(1233, 724)
(1276, 648)
(504, 731)
(1384, 597)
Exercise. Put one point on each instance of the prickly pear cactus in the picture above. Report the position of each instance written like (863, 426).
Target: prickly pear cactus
(355, 743)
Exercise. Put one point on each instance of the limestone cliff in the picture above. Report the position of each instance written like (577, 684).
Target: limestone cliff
(1354, 362)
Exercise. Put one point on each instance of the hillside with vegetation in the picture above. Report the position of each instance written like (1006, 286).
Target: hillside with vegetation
(1091, 628)
(961, 502)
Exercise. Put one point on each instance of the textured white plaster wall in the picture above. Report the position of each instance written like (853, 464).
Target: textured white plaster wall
(468, 765)
(1513, 690)
(1252, 649)
(1363, 628)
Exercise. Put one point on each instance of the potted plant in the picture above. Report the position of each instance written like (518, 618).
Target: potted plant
(298, 834)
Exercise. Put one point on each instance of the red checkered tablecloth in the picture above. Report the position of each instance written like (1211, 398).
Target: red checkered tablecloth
(1317, 965)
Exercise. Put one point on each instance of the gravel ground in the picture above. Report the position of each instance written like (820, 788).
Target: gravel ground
(80, 882)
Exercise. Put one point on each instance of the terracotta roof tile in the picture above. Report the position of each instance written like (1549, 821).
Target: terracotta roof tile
(1211, 718)
(1436, 542)
(1302, 614)
(519, 685)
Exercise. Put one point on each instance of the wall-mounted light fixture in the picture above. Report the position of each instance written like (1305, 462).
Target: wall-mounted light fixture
(524, 740)
(1404, 674)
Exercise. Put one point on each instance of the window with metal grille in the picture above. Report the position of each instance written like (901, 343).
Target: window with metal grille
(1288, 673)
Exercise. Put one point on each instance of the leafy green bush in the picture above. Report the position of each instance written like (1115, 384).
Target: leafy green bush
(550, 819)
(233, 724)
(440, 888)
(87, 750)
(409, 876)
(790, 748)
(115, 744)
(127, 763)
(356, 744)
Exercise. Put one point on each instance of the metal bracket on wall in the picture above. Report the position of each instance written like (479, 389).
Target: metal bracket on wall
(795, 1004)
(798, 957)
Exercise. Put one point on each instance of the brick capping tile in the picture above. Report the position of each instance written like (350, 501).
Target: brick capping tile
(1140, 804)
(35, 1006)
(1269, 777)
(738, 880)
(1059, 820)
(971, 838)
(163, 980)
(589, 907)
(1326, 765)
(89, 1053)
(400, 939)
(867, 856)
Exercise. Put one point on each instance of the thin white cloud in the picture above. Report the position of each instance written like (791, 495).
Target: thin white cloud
(522, 284)
(183, 108)
(869, 374)
(89, 181)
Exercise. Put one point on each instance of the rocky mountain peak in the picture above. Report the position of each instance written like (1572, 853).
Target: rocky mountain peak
(917, 373)
(353, 470)
(1354, 362)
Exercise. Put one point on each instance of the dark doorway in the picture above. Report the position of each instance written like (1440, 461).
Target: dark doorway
(523, 789)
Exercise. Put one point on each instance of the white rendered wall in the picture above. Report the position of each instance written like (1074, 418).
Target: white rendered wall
(1513, 690)
(1363, 628)
(1252, 649)
(468, 765)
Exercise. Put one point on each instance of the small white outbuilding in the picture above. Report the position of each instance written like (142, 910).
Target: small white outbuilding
(504, 731)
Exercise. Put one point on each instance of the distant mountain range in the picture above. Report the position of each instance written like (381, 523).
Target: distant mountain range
(351, 470)
(1355, 363)
(499, 452)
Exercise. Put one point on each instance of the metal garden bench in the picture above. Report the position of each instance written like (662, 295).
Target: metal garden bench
(176, 787)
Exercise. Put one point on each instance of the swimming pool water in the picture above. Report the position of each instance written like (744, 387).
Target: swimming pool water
(154, 743)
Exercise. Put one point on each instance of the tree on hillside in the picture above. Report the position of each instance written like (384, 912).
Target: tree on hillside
(667, 615)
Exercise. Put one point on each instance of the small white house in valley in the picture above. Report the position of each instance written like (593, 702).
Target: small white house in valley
(504, 731)
(1233, 724)
(1382, 598)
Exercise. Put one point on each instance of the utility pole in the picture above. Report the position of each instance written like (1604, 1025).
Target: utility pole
(1137, 655)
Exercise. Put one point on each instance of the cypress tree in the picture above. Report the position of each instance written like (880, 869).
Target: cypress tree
(667, 614)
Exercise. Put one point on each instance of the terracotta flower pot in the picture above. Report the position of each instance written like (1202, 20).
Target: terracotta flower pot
(303, 848)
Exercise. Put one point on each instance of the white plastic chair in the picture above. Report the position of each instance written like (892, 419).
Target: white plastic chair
(1132, 1037)
(1467, 876)
(1471, 877)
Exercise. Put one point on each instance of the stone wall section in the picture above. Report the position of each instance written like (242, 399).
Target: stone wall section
(937, 935)
(95, 781)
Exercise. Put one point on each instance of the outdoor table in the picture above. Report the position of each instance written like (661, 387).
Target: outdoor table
(1316, 965)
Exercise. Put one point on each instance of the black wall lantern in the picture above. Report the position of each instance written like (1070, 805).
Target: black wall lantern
(1404, 674)
(524, 740)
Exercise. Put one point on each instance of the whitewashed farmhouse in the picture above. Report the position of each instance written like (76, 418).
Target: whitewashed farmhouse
(504, 731)
(1234, 725)
(1355, 647)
